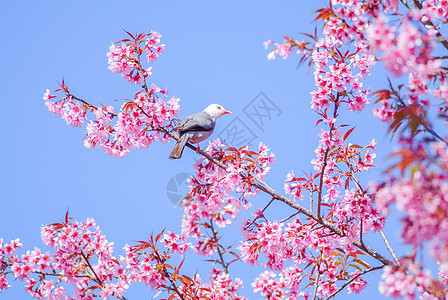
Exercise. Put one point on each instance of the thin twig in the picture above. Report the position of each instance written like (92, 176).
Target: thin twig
(259, 215)
(351, 280)
(321, 179)
(360, 231)
(311, 200)
(389, 248)
(167, 274)
(431, 131)
(98, 280)
(352, 174)
(291, 216)
(316, 282)
(321, 182)
(221, 257)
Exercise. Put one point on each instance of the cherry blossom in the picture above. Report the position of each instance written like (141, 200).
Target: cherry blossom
(318, 250)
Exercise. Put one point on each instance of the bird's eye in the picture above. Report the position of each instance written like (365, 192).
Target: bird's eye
(219, 107)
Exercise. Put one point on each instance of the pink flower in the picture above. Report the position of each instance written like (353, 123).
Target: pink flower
(3, 283)
(176, 243)
(357, 285)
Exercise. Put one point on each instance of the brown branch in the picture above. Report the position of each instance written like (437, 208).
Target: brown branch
(81, 100)
(360, 231)
(316, 282)
(311, 200)
(321, 179)
(167, 274)
(351, 280)
(389, 248)
(291, 216)
(352, 174)
(98, 280)
(62, 275)
(221, 257)
(321, 182)
(256, 218)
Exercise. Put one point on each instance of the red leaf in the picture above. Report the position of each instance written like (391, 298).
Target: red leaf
(130, 34)
(159, 235)
(324, 13)
(348, 133)
(382, 95)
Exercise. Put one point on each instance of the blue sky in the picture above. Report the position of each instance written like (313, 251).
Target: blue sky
(214, 54)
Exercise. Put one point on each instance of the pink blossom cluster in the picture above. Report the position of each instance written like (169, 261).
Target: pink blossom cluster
(342, 70)
(153, 47)
(82, 258)
(7, 255)
(291, 251)
(124, 58)
(211, 186)
(406, 50)
(385, 112)
(422, 197)
(74, 113)
(408, 280)
(283, 50)
(177, 243)
(333, 152)
(435, 9)
(357, 285)
(293, 186)
(139, 121)
(269, 286)
(358, 212)
(141, 267)
(334, 74)
(136, 125)
(82, 266)
(220, 287)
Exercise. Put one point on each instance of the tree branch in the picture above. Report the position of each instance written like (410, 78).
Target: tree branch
(256, 218)
(221, 257)
(321, 182)
(316, 282)
(98, 280)
(167, 274)
(351, 280)
(389, 248)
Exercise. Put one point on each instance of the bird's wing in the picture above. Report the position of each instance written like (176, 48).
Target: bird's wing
(201, 121)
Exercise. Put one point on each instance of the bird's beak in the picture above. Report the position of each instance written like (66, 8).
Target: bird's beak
(226, 111)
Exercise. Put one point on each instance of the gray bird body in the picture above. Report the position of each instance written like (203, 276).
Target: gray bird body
(197, 127)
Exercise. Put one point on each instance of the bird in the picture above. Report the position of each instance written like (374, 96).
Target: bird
(197, 128)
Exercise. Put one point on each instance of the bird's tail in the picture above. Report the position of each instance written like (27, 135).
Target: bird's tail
(179, 147)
